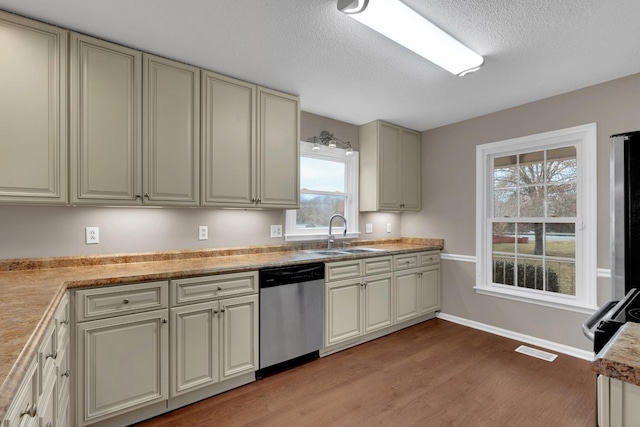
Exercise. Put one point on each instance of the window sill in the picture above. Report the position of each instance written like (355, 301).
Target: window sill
(318, 237)
(568, 305)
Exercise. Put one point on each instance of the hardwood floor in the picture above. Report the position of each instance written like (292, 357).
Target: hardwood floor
(433, 374)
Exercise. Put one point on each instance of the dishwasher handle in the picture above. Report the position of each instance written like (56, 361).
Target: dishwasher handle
(293, 274)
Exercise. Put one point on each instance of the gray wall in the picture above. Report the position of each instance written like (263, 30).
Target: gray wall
(448, 167)
(40, 231)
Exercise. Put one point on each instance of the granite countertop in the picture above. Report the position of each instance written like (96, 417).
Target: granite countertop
(31, 289)
(620, 358)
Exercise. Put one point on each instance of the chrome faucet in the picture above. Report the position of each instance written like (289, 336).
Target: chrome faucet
(332, 238)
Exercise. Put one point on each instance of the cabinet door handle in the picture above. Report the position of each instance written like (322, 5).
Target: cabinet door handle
(146, 195)
(31, 410)
(48, 424)
(66, 374)
(222, 310)
(219, 288)
(215, 311)
(138, 196)
(64, 322)
(53, 355)
(125, 301)
(164, 320)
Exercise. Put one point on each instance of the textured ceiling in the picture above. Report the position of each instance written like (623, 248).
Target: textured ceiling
(533, 49)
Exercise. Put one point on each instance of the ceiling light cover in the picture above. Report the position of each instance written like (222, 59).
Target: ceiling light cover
(400, 23)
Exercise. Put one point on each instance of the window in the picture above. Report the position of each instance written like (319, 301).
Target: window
(536, 218)
(328, 185)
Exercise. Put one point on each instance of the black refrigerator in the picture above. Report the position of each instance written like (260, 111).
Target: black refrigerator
(625, 213)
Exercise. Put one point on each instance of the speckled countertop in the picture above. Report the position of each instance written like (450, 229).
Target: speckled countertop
(620, 358)
(30, 289)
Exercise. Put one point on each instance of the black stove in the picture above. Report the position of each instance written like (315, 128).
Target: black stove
(604, 324)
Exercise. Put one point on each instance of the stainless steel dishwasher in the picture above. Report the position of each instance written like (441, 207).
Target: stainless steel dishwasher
(291, 316)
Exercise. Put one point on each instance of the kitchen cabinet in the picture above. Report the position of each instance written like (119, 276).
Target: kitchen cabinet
(106, 137)
(213, 341)
(250, 140)
(171, 133)
(33, 112)
(389, 168)
(417, 284)
(358, 298)
(43, 397)
(618, 403)
(122, 356)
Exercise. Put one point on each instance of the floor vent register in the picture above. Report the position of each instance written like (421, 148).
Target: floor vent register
(549, 357)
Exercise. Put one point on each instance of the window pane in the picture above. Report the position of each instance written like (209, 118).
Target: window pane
(530, 273)
(505, 172)
(560, 240)
(503, 270)
(562, 199)
(532, 168)
(505, 204)
(530, 240)
(562, 165)
(322, 175)
(315, 210)
(561, 277)
(532, 201)
(504, 237)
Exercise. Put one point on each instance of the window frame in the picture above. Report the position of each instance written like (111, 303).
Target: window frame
(351, 162)
(584, 138)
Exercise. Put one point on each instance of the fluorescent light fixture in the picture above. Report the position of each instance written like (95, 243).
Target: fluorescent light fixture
(400, 23)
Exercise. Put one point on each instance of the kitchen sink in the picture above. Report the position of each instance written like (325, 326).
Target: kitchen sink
(344, 251)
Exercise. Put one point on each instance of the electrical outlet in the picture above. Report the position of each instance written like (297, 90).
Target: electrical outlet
(203, 232)
(92, 235)
(276, 231)
(368, 228)
(388, 227)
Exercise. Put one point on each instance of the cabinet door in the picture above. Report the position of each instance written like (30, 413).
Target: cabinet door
(194, 347)
(239, 340)
(407, 302)
(343, 311)
(33, 112)
(410, 170)
(122, 364)
(390, 175)
(279, 150)
(430, 289)
(229, 156)
(171, 136)
(105, 120)
(377, 302)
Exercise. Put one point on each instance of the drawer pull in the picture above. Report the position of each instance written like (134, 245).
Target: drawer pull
(66, 374)
(219, 288)
(125, 301)
(31, 410)
(53, 355)
(64, 322)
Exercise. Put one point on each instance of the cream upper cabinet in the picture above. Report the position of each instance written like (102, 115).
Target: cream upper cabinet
(106, 137)
(250, 144)
(278, 150)
(171, 133)
(389, 168)
(33, 112)
(229, 151)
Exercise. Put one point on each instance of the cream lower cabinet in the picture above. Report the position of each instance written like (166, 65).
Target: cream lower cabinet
(122, 357)
(212, 342)
(43, 398)
(358, 298)
(33, 111)
(417, 284)
(618, 403)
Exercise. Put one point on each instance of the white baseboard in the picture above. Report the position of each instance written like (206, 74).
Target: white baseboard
(550, 345)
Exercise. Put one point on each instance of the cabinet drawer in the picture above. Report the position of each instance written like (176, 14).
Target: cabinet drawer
(343, 270)
(378, 265)
(61, 320)
(199, 289)
(403, 262)
(47, 355)
(429, 258)
(116, 300)
(24, 406)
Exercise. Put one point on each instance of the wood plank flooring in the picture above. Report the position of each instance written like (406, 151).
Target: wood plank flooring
(433, 374)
